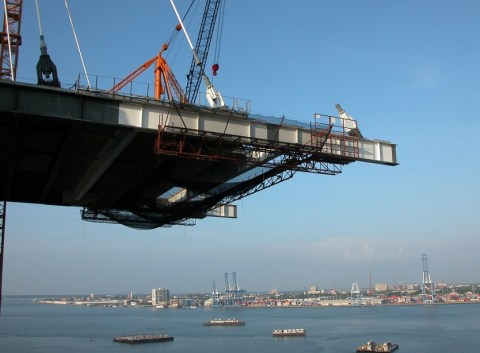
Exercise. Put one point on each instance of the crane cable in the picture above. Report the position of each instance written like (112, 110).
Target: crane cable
(218, 40)
(78, 45)
(177, 29)
(12, 74)
(40, 29)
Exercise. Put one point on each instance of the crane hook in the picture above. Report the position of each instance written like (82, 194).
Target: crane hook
(215, 68)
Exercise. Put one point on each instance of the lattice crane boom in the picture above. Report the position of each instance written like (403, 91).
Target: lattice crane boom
(10, 39)
(202, 47)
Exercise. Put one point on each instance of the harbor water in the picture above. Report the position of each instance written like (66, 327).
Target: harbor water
(26, 327)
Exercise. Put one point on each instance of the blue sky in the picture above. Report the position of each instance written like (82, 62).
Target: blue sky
(406, 70)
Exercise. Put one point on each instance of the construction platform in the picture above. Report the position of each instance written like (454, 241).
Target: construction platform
(145, 163)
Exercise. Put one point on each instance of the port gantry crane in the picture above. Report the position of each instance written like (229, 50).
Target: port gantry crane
(427, 283)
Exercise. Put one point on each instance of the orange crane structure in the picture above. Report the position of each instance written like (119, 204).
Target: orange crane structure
(170, 85)
(165, 81)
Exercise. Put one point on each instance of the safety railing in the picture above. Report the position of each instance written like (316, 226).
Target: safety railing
(146, 90)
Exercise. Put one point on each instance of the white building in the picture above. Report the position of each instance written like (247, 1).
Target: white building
(160, 296)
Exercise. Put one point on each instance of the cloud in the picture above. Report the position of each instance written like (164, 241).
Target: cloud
(428, 77)
(351, 249)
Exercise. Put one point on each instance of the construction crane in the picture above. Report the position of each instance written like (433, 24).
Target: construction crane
(214, 98)
(10, 39)
(202, 47)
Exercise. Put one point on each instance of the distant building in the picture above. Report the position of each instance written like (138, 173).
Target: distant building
(313, 290)
(273, 292)
(160, 296)
(379, 287)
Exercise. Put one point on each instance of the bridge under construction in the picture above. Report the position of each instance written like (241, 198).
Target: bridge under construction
(145, 163)
(149, 162)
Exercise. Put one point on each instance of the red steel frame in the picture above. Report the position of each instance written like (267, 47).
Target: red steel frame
(13, 19)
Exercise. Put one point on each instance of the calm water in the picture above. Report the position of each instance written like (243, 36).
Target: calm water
(28, 328)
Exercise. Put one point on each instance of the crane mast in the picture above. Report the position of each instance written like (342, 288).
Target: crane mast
(10, 41)
(202, 47)
(10, 38)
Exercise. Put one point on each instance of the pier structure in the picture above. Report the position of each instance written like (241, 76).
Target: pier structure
(428, 286)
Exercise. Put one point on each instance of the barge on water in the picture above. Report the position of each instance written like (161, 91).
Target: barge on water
(148, 338)
(291, 332)
(371, 346)
(227, 322)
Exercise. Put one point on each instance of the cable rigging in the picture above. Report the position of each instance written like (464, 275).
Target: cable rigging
(78, 45)
(218, 41)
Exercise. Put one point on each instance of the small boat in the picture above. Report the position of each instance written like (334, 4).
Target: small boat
(227, 322)
(371, 346)
(291, 332)
(148, 338)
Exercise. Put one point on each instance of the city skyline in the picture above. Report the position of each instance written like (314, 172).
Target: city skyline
(403, 70)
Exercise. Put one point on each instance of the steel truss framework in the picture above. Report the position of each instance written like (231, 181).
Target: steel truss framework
(12, 19)
(427, 284)
(265, 162)
(207, 26)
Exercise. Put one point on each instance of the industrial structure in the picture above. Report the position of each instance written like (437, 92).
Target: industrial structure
(148, 162)
(428, 287)
(232, 296)
(10, 39)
